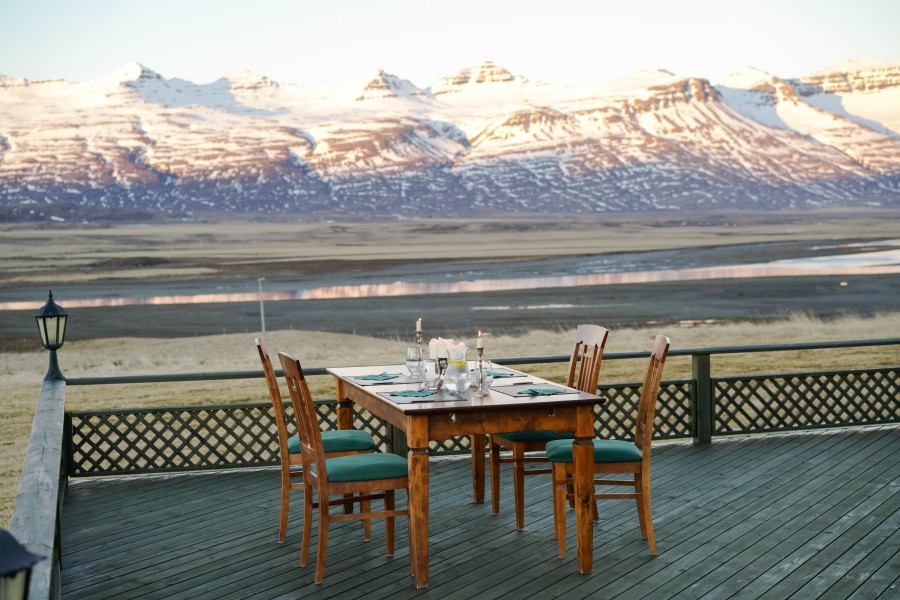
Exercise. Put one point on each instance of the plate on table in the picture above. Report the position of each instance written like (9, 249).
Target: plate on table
(533, 390)
(382, 379)
(411, 396)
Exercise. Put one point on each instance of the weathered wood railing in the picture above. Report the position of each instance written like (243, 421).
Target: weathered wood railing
(238, 435)
(35, 518)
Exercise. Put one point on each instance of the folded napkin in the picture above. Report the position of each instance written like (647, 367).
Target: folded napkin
(501, 375)
(540, 392)
(413, 394)
(376, 377)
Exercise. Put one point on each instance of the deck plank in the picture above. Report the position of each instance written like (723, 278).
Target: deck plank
(804, 514)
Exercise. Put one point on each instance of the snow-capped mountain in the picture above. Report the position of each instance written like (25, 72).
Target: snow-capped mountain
(478, 142)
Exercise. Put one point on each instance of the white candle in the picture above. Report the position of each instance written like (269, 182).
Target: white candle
(419, 324)
(433, 348)
(479, 343)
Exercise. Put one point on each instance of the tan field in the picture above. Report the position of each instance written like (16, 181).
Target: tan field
(68, 254)
(199, 257)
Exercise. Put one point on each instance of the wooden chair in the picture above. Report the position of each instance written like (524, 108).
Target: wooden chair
(616, 456)
(351, 474)
(584, 369)
(337, 443)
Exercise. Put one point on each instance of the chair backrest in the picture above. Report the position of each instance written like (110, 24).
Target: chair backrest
(643, 429)
(275, 393)
(310, 434)
(584, 366)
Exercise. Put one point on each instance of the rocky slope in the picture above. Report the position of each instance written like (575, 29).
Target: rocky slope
(479, 142)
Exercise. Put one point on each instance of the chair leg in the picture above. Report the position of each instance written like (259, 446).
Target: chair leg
(495, 477)
(285, 504)
(412, 549)
(389, 521)
(559, 507)
(594, 507)
(322, 548)
(307, 523)
(366, 506)
(640, 504)
(519, 482)
(648, 515)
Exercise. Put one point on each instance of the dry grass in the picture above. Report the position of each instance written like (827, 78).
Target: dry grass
(21, 373)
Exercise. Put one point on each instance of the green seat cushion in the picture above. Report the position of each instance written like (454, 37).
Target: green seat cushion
(535, 436)
(339, 440)
(606, 451)
(366, 467)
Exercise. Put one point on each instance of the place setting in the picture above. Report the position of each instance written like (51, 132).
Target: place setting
(446, 375)
(534, 390)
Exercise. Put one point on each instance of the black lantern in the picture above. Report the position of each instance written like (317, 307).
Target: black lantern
(15, 567)
(51, 322)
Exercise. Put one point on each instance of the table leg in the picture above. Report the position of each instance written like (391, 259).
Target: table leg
(583, 457)
(478, 444)
(345, 421)
(344, 408)
(418, 513)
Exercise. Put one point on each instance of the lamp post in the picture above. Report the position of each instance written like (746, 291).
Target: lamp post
(51, 322)
(262, 310)
(15, 567)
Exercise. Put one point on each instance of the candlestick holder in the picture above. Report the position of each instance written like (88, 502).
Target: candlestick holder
(421, 356)
(481, 391)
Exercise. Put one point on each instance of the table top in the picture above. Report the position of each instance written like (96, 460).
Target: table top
(501, 397)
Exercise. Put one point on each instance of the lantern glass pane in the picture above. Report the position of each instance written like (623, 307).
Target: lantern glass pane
(61, 332)
(51, 323)
(14, 586)
(42, 328)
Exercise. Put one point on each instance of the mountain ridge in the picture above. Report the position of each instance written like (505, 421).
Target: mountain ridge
(481, 141)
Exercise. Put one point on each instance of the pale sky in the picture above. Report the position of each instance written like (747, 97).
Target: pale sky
(325, 42)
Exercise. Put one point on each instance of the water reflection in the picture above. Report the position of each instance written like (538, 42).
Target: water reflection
(866, 263)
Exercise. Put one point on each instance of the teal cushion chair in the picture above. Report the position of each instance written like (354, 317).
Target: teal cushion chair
(373, 476)
(616, 457)
(584, 370)
(337, 443)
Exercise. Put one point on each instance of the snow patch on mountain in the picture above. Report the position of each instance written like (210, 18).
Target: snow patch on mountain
(481, 140)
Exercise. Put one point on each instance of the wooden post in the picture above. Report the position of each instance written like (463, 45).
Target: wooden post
(701, 399)
(35, 516)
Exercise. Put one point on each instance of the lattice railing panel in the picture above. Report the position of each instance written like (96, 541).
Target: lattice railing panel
(806, 400)
(616, 418)
(178, 439)
(173, 439)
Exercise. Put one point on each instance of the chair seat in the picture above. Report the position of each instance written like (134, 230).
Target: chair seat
(605, 451)
(338, 440)
(535, 436)
(366, 467)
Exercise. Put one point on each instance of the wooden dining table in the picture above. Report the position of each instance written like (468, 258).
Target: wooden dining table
(446, 415)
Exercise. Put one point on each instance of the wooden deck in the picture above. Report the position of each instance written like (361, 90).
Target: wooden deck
(803, 515)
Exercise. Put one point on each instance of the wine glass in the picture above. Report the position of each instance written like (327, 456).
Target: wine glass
(483, 374)
(414, 362)
(430, 374)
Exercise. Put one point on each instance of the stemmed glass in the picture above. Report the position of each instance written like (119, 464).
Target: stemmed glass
(484, 377)
(414, 362)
